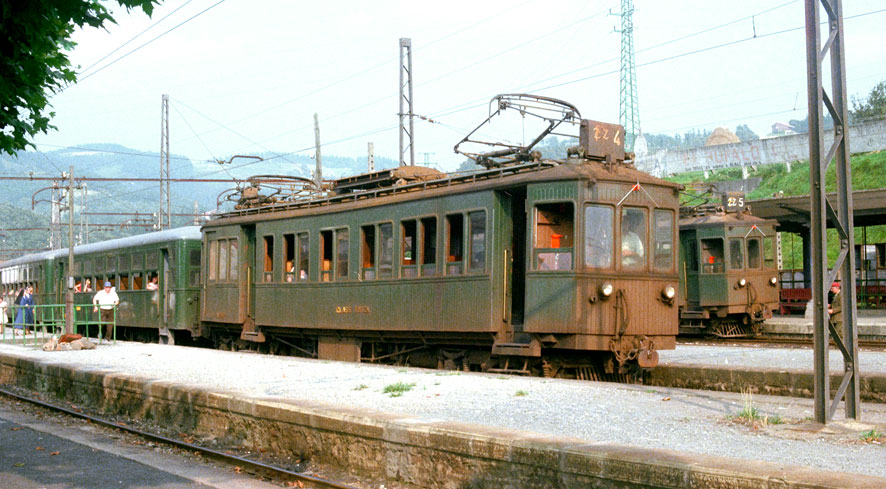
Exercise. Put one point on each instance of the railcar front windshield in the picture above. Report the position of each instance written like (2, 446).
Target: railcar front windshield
(633, 238)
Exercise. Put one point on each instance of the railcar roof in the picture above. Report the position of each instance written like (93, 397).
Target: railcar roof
(546, 170)
(723, 218)
(182, 233)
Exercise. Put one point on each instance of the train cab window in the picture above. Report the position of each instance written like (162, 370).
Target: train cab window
(554, 230)
(408, 243)
(223, 261)
(663, 236)
(288, 257)
(736, 253)
(477, 221)
(367, 252)
(598, 236)
(455, 236)
(768, 252)
(428, 246)
(633, 237)
(754, 253)
(342, 244)
(234, 257)
(303, 263)
(213, 260)
(268, 275)
(712, 255)
(326, 256)
(386, 253)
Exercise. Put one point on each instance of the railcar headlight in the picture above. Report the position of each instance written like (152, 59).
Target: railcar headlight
(773, 281)
(606, 289)
(742, 282)
(668, 292)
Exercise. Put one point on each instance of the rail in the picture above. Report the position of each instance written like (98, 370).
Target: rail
(47, 320)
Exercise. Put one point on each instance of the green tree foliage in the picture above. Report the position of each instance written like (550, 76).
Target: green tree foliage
(745, 133)
(871, 108)
(34, 36)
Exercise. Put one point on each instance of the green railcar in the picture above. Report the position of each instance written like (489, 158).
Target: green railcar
(728, 275)
(524, 268)
(147, 311)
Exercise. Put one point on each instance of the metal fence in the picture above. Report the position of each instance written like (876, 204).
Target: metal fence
(46, 320)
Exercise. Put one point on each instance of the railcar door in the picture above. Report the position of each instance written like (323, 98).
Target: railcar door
(510, 232)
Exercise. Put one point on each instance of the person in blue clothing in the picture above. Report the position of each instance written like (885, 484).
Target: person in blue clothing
(24, 314)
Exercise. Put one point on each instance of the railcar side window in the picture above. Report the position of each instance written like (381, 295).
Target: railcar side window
(691, 254)
(477, 221)
(633, 237)
(137, 282)
(428, 246)
(408, 242)
(193, 259)
(769, 252)
(223, 261)
(326, 256)
(152, 260)
(234, 257)
(736, 253)
(753, 252)
(386, 255)
(712, 255)
(213, 260)
(268, 269)
(598, 236)
(124, 282)
(304, 265)
(554, 230)
(367, 252)
(125, 260)
(289, 257)
(341, 253)
(455, 236)
(663, 234)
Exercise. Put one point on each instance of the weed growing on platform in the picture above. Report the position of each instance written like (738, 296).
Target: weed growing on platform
(397, 389)
(361, 387)
(521, 393)
(750, 416)
(873, 436)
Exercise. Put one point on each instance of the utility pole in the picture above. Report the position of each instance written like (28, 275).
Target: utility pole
(164, 218)
(371, 157)
(318, 160)
(820, 157)
(69, 280)
(406, 99)
(629, 112)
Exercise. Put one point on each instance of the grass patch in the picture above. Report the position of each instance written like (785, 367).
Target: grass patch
(521, 393)
(447, 374)
(397, 389)
(750, 416)
(361, 387)
(873, 436)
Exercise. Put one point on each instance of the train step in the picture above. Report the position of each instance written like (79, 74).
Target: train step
(530, 349)
(690, 314)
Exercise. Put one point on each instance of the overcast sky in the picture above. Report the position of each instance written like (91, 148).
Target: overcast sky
(247, 76)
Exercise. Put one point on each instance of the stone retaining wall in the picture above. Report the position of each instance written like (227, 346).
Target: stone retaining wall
(420, 452)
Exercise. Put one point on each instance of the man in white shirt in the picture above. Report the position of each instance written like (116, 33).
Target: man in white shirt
(107, 300)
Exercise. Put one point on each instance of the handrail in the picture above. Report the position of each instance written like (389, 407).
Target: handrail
(49, 320)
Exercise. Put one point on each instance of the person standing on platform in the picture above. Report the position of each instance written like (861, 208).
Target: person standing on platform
(24, 315)
(107, 300)
(835, 307)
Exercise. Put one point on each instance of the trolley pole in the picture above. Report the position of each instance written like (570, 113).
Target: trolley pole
(69, 294)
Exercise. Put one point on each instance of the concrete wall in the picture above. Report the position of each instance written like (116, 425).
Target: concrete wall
(862, 138)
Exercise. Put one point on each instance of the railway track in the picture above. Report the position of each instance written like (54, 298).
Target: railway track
(251, 466)
(873, 344)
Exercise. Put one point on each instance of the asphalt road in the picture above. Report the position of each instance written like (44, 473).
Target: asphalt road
(48, 452)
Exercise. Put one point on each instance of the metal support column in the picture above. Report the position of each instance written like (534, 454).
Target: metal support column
(406, 99)
(165, 217)
(318, 160)
(822, 212)
(69, 280)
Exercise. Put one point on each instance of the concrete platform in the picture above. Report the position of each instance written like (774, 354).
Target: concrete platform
(869, 327)
(452, 429)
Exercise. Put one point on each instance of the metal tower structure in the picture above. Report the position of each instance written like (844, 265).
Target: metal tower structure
(164, 219)
(406, 99)
(318, 159)
(823, 212)
(629, 113)
(55, 217)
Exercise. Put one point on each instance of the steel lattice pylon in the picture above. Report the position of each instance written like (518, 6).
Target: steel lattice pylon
(164, 220)
(629, 113)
